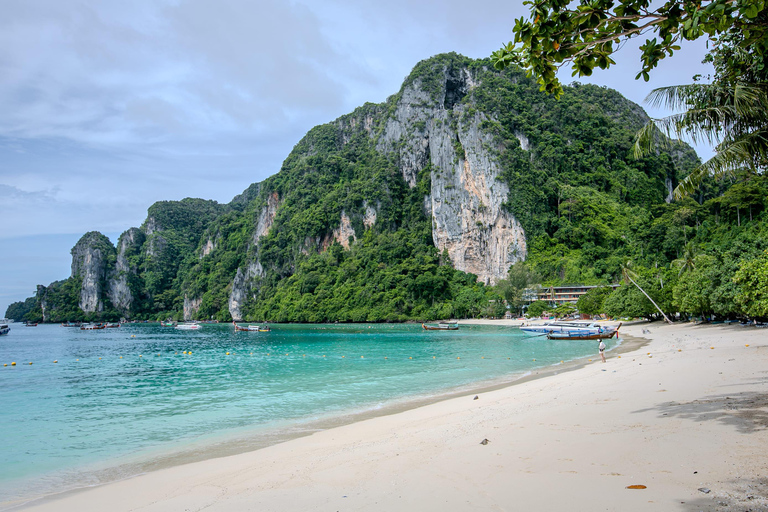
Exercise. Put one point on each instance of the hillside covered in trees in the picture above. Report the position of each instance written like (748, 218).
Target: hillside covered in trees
(463, 188)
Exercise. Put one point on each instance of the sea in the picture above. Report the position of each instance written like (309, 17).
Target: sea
(83, 408)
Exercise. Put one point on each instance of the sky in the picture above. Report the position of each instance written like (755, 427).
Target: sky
(108, 106)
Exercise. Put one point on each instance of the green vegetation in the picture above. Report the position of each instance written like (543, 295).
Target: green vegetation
(588, 33)
(592, 215)
(19, 311)
(591, 303)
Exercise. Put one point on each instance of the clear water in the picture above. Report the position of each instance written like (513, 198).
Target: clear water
(122, 401)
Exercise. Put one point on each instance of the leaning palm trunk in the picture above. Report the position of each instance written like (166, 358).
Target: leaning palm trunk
(649, 298)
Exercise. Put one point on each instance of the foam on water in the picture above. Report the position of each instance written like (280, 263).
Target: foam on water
(120, 402)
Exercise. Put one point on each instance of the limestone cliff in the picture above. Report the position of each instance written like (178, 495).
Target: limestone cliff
(466, 200)
(243, 281)
(91, 258)
(355, 224)
(119, 290)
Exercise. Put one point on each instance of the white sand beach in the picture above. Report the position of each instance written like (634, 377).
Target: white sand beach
(685, 415)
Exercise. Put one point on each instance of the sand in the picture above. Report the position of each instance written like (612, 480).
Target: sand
(686, 416)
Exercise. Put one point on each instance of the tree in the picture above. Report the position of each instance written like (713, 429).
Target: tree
(564, 309)
(519, 277)
(587, 34)
(591, 303)
(730, 112)
(693, 291)
(627, 301)
(628, 274)
(687, 261)
(734, 117)
(538, 307)
(752, 276)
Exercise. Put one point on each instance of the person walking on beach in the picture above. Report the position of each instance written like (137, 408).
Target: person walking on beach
(601, 346)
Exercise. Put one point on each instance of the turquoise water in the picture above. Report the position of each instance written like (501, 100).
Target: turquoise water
(95, 417)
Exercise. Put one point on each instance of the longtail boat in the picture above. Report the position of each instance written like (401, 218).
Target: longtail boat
(442, 326)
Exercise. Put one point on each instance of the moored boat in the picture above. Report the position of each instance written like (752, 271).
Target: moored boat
(30, 324)
(70, 324)
(169, 323)
(442, 326)
(4, 329)
(248, 328)
(92, 327)
(580, 336)
(188, 327)
(111, 326)
(555, 327)
(593, 332)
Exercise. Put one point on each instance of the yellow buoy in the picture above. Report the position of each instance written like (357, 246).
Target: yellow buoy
(384, 357)
(362, 357)
(13, 363)
(189, 353)
(619, 357)
(679, 350)
(121, 357)
(433, 357)
(55, 360)
(323, 355)
(99, 360)
(534, 359)
(139, 355)
(6, 364)
(713, 348)
(484, 358)
(590, 360)
(746, 345)
(458, 358)
(75, 360)
(133, 335)
(342, 357)
(227, 353)
(410, 358)
(30, 363)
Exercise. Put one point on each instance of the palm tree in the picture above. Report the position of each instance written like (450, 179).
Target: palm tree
(734, 117)
(627, 274)
(687, 261)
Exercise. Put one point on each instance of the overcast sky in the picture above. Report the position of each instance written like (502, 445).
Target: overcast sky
(108, 106)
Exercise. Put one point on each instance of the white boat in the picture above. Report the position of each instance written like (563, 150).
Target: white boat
(4, 329)
(583, 328)
(188, 327)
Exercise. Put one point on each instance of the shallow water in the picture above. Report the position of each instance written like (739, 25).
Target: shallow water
(122, 401)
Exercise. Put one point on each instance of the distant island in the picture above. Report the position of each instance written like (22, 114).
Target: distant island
(465, 188)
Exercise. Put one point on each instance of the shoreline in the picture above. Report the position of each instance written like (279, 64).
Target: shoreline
(373, 438)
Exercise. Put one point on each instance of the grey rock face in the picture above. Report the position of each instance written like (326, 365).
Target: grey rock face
(191, 306)
(466, 199)
(90, 256)
(241, 286)
(118, 291)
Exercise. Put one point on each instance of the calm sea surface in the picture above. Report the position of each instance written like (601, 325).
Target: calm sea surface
(123, 401)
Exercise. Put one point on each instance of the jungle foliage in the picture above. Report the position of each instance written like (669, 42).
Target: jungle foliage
(586, 206)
